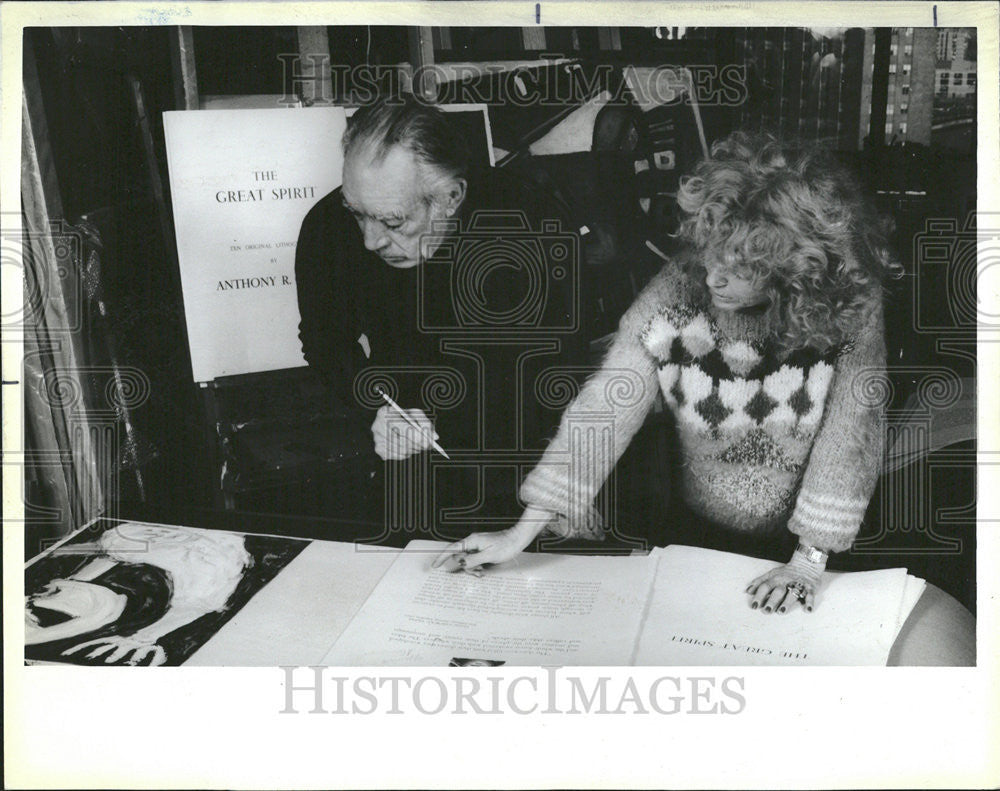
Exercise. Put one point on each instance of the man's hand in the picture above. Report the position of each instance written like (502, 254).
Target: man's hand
(478, 549)
(395, 439)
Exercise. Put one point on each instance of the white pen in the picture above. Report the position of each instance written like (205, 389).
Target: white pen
(411, 421)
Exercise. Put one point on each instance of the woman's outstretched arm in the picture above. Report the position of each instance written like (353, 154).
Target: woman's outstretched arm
(594, 432)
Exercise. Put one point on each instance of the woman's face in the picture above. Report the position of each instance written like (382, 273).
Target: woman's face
(730, 289)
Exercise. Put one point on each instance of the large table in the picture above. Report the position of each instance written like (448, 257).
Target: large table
(297, 616)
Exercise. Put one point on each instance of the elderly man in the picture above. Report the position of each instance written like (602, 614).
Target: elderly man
(382, 286)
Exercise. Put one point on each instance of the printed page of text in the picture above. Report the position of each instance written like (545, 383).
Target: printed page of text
(537, 609)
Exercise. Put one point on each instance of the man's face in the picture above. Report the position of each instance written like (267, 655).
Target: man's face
(387, 200)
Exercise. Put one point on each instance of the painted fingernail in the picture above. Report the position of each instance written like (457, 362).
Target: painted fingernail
(753, 606)
(781, 609)
(809, 608)
(767, 609)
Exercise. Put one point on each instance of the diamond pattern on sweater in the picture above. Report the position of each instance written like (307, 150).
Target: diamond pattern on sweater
(735, 393)
(658, 338)
(741, 357)
(697, 336)
(679, 354)
(677, 392)
(782, 383)
(695, 385)
(760, 406)
(715, 366)
(679, 334)
(817, 384)
(800, 402)
(733, 385)
(669, 376)
(712, 409)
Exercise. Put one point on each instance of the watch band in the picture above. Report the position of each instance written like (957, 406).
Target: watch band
(812, 554)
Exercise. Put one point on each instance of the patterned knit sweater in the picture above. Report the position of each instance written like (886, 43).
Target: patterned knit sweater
(767, 440)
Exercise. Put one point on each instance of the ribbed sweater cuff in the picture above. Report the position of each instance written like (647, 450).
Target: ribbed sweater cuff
(544, 489)
(829, 522)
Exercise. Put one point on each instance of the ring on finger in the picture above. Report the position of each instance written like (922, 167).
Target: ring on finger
(798, 589)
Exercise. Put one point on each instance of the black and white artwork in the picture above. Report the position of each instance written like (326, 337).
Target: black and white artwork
(553, 286)
(142, 594)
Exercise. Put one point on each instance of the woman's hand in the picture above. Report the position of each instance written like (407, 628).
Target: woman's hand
(395, 439)
(478, 549)
(784, 587)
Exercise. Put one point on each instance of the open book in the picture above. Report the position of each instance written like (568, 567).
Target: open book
(676, 606)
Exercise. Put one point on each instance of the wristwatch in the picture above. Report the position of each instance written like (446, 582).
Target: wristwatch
(812, 554)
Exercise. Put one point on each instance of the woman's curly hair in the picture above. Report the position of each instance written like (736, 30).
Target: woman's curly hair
(798, 224)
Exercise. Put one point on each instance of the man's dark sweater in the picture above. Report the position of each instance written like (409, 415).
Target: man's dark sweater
(411, 320)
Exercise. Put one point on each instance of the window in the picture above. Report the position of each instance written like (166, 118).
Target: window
(908, 50)
(888, 128)
(892, 49)
(904, 108)
(902, 128)
(906, 68)
(905, 90)
(890, 110)
(892, 68)
(970, 79)
(958, 78)
(944, 79)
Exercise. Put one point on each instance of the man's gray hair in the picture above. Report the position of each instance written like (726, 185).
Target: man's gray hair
(425, 131)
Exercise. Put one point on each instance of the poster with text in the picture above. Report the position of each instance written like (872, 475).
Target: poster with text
(241, 182)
